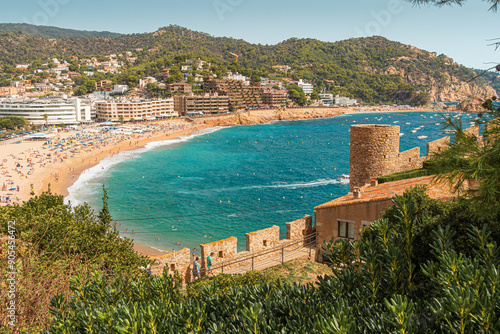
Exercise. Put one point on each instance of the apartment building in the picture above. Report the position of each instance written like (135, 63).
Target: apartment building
(180, 87)
(306, 87)
(240, 95)
(201, 104)
(274, 98)
(57, 110)
(115, 110)
(104, 85)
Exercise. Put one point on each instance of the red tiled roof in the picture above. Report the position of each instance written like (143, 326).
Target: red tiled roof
(389, 190)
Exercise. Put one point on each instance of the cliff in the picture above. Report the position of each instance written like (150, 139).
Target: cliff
(441, 77)
(472, 104)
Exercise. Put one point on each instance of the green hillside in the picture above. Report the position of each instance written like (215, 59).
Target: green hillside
(372, 69)
(52, 32)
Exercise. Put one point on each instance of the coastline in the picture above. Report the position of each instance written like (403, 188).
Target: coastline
(70, 172)
(63, 175)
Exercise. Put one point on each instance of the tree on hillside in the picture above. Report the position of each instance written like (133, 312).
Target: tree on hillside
(297, 94)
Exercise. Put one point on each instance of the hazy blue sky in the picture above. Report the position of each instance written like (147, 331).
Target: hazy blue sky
(459, 32)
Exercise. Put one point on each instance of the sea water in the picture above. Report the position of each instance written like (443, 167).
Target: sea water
(230, 181)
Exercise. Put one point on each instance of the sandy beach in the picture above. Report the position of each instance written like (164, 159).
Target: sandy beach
(29, 167)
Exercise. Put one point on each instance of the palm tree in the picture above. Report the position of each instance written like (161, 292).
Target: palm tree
(46, 119)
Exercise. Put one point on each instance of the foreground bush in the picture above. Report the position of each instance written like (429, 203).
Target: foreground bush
(55, 242)
(375, 288)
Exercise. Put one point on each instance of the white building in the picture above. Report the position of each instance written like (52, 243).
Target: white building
(120, 89)
(327, 99)
(135, 109)
(266, 82)
(306, 87)
(344, 101)
(238, 77)
(58, 110)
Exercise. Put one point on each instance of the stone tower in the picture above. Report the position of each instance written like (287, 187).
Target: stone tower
(374, 152)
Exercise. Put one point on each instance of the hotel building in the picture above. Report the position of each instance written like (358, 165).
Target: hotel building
(208, 103)
(135, 110)
(58, 110)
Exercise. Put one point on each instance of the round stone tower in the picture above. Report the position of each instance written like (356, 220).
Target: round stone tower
(374, 152)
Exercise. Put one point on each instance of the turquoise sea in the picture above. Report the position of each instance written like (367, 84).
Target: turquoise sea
(230, 181)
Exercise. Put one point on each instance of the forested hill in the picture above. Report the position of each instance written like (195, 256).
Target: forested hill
(366, 68)
(52, 32)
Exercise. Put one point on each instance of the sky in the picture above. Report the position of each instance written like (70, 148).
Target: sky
(462, 33)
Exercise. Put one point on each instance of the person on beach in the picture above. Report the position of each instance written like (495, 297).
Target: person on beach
(196, 269)
(209, 263)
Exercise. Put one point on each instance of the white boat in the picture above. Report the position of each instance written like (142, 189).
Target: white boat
(401, 134)
(413, 131)
(422, 137)
(344, 178)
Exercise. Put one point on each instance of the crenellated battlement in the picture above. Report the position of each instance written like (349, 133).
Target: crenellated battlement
(226, 251)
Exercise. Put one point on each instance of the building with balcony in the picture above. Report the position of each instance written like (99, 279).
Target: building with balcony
(306, 87)
(180, 87)
(201, 104)
(240, 95)
(104, 85)
(57, 110)
(273, 98)
(344, 101)
(128, 110)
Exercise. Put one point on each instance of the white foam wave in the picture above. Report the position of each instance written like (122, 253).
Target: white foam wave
(86, 185)
(311, 184)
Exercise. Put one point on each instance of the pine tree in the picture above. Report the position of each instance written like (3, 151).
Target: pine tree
(104, 215)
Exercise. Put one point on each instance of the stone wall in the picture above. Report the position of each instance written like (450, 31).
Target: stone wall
(179, 261)
(225, 251)
(437, 145)
(264, 239)
(374, 152)
(299, 228)
(409, 159)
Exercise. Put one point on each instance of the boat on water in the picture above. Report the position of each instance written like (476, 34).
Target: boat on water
(344, 178)
(422, 137)
(413, 131)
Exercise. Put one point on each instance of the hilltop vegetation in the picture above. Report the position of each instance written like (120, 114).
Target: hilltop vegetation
(373, 69)
(52, 32)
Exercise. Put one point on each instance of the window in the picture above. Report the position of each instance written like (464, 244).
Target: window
(346, 229)
(221, 255)
(266, 243)
(364, 223)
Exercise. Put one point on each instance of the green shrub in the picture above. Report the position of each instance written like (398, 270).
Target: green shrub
(408, 174)
(223, 283)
